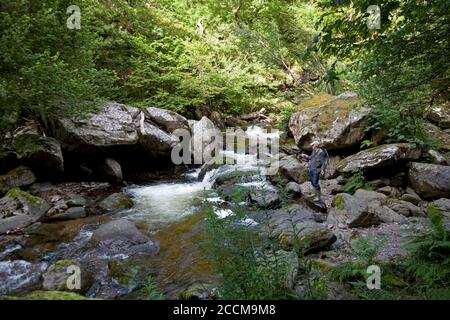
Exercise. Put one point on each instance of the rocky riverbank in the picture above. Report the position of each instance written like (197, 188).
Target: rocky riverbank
(62, 198)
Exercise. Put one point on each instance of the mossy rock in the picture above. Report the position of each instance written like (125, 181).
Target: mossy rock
(335, 121)
(115, 201)
(18, 177)
(54, 295)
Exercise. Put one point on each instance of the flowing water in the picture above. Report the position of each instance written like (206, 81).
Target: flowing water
(169, 212)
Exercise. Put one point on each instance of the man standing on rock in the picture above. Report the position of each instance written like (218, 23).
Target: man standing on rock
(317, 164)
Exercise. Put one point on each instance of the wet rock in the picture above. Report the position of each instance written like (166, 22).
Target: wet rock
(56, 277)
(19, 177)
(19, 275)
(115, 201)
(122, 237)
(166, 119)
(336, 122)
(430, 181)
(378, 157)
(292, 168)
(216, 118)
(19, 209)
(42, 154)
(75, 200)
(70, 214)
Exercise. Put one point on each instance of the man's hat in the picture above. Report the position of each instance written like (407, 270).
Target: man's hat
(315, 143)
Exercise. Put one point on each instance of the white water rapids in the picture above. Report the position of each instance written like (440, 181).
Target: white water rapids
(167, 202)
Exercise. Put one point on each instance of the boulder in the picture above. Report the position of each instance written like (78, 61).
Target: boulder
(112, 125)
(156, 142)
(19, 209)
(166, 119)
(19, 177)
(56, 276)
(385, 214)
(440, 115)
(115, 201)
(293, 188)
(430, 181)
(411, 196)
(404, 208)
(293, 169)
(309, 237)
(285, 219)
(122, 237)
(438, 158)
(111, 171)
(380, 156)
(42, 154)
(337, 122)
(265, 195)
(20, 275)
(443, 204)
(360, 210)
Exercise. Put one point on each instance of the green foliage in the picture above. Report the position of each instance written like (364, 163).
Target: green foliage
(401, 67)
(151, 291)
(247, 269)
(429, 258)
(364, 249)
(355, 182)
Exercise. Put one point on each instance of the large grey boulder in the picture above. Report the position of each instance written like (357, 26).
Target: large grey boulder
(293, 169)
(19, 177)
(337, 123)
(363, 209)
(42, 154)
(156, 142)
(404, 208)
(430, 181)
(19, 209)
(380, 156)
(112, 125)
(166, 119)
(122, 237)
